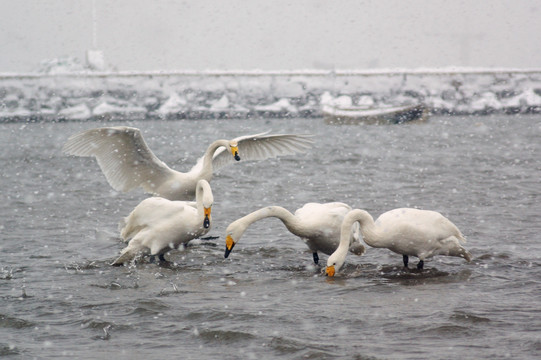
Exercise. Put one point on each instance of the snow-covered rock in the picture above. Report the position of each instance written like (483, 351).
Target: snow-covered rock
(220, 105)
(526, 98)
(328, 99)
(174, 104)
(486, 102)
(110, 109)
(77, 112)
(282, 105)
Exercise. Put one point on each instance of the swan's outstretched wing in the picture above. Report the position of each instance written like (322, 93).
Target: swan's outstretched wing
(123, 156)
(263, 146)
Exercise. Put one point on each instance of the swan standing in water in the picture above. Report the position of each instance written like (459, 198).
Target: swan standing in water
(127, 162)
(318, 225)
(158, 225)
(409, 232)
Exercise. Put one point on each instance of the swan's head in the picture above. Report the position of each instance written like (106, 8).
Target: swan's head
(206, 221)
(334, 263)
(229, 244)
(234, 148)
(204, 194)
(233, 234)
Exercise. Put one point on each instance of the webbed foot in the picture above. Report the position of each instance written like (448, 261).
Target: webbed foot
(162, 261)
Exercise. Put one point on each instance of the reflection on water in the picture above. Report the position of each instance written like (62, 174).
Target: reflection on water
(60, 297)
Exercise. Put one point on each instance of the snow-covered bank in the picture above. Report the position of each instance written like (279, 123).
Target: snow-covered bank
(235, 94)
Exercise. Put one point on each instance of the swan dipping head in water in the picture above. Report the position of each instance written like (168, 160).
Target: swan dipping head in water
(318, 225)
(405, 231)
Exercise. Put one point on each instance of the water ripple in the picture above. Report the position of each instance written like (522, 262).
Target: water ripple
(7, 321)
(223, 336)
(61, 298)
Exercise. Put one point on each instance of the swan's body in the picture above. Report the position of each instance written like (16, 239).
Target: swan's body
(127, 162)
(409, 232)
(318, 225)
(158, 225)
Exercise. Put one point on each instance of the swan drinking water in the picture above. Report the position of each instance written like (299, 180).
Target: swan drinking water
(409, 232)
(158, 225)
(127, 162)
(318, 225)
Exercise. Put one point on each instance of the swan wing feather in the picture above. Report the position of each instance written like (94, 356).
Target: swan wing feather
(123, 156)
(263, 146)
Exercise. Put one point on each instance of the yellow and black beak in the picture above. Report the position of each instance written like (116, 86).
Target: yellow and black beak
(206, 221)
(229, 244)
(235, 152)
(329, 271)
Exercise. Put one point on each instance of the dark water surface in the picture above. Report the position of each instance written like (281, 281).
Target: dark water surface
(60, 298)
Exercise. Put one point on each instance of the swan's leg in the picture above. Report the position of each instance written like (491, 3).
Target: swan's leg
(209, 238)
(161, 257)
(420, 265)
(164, 262)
(316, 258)
(405, 259)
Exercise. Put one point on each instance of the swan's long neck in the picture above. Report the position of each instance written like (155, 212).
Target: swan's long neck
(368, 230)
(206, 171)
(370, 234)
(202, 190)
(289, 220)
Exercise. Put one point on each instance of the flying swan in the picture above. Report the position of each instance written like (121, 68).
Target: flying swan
(158, 225)
(127, 162)
(318, 225)
(409, 232)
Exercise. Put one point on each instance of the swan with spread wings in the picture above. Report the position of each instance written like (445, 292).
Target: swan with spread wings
(127, 162)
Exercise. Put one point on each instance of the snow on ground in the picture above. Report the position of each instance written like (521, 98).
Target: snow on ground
(56, 94)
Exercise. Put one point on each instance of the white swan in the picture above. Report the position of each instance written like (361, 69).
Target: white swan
(409, 232)
(158, 225)
(318, 225)
(128, 162)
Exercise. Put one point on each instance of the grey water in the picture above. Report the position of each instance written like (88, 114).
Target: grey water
(59, 298)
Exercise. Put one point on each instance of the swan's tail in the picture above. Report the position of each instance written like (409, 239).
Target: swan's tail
(127, 254)
(458, 234)
(467, 255)
(121, 226)
(462, 252)
(127, 229)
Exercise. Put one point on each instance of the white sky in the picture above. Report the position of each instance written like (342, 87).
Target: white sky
(274, 34)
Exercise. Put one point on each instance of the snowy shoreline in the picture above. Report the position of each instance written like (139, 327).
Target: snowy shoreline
(86, 95)
(258, 72)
